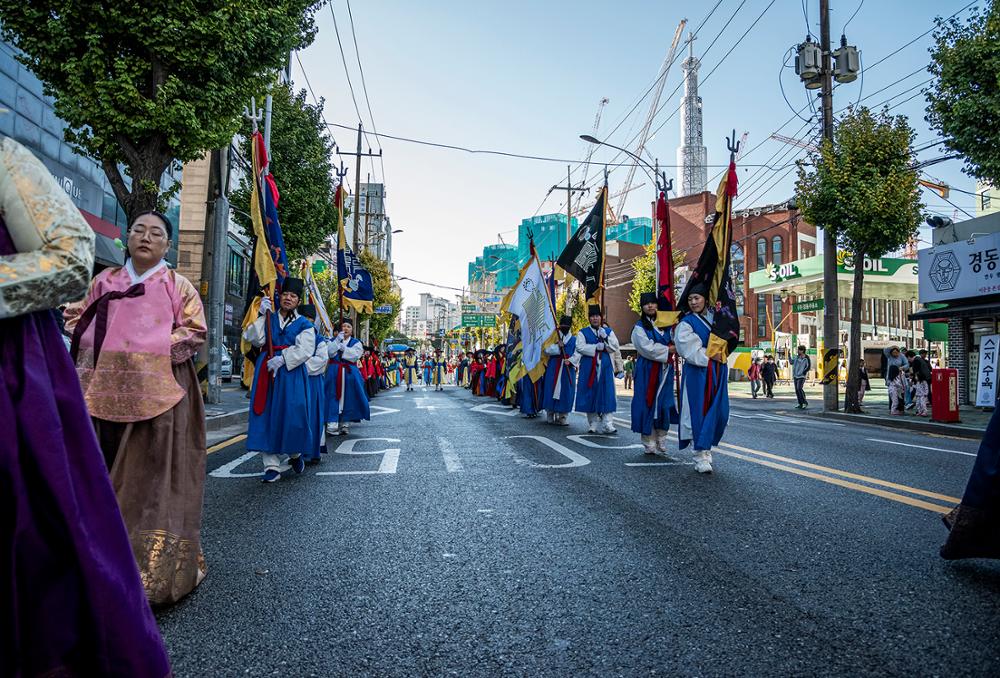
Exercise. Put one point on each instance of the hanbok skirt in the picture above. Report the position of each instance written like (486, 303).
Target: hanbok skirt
(353, 393)
(567, 384)
(597, 397)
(157, 468)
(652, 403)
(71, 602)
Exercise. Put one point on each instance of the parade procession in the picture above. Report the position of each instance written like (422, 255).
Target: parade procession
(263, 415)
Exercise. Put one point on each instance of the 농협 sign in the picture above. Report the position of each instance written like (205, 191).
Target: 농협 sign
(384, 310)
(962, 269)
(986, 393)
(806, 306)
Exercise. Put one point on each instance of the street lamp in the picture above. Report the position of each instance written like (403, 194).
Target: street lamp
(643, 165)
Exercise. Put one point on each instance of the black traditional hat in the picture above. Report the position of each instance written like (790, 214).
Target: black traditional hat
(700, 289)
(593, 310)
(647, 298)
(308, 310)
(565, 320)
(293, 285)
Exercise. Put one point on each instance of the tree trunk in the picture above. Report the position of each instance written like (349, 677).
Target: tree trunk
(854, 356)
(146, 167)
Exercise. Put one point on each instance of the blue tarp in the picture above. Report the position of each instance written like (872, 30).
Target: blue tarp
(396, 348)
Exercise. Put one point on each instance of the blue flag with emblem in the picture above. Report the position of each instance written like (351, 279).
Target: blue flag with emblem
(356, 288)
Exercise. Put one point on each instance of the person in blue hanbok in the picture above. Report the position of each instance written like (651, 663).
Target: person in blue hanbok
(529, 396)
(704, 391)
(653, 395)
(974, 525)
(428, 366)
(316, 368)
(440, 367)
(595, 389)
(410, 369)
(560, 376)
(284, 428)
(346, 399)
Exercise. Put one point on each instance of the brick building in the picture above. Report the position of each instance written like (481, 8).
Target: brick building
(771, 234)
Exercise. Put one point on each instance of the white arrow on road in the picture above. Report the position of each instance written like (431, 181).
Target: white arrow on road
(575, 459)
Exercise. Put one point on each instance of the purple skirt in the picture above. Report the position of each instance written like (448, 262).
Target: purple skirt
(71, 602)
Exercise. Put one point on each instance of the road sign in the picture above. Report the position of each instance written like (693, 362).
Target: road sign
(465, 336)
(384, 310)
(478, 320)
(806, 306)
(469, 308)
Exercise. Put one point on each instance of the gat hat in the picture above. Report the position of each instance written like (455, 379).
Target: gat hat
(647, 298)
(294, 286)
(698, 288)
(593, 310)
(308, 310)
(566, 320)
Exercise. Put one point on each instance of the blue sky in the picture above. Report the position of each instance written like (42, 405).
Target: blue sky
(526, 77)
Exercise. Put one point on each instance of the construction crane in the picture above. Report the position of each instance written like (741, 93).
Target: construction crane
(794, 142)
(653, 105)
(591, 147)
(582, 210)
(743, 145)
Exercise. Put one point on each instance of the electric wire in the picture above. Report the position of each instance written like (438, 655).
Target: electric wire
(364, 89)
(860, 5)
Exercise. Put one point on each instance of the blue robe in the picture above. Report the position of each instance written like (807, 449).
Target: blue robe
(317, 399)
(598, 397)
(353, 390)
(567, 382)
(653, 399)
(529, 396)
(706, 392)
(285, 426)
(974, 523)
(428, 365)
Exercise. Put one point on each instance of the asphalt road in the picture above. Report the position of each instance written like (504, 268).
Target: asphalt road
(445, 537)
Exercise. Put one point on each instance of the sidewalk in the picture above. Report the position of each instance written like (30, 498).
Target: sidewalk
(234, 409)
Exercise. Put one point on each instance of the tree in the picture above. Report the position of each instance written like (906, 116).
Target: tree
(145, 85)
(380, 324)
(963, 104)
(300, 162)
(861, 187)
(645, 274)
(573, 295)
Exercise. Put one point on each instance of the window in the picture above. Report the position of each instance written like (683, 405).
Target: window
(236, 273)
(761, 253)
(776, 250)
(761, 316)
(776, 313)
(737, 267)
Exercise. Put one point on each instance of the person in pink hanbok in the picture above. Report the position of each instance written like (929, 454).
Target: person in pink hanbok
(134, 337)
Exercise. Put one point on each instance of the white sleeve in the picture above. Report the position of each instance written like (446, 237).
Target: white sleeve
(612, 341)
(317, 363)
(304, 348)
(583, 348)
(552, 350)
(352, 353)
(255, 332)
(689, 345)
(648, 348)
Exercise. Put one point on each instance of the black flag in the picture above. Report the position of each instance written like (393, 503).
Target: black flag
(583, 257)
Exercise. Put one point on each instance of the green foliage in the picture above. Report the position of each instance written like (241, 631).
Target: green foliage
(300, 162)
(963, 104)
(381, 325)
(645, 274)
(573, 295)
(146, 84)
(861, 186)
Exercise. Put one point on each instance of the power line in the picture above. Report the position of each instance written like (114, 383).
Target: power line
(343, 59)
(860, 5)
(364, 88)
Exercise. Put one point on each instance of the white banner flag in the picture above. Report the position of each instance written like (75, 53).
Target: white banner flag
(986, 393)
(530, 303)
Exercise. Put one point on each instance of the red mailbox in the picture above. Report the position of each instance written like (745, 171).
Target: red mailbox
(944, 398)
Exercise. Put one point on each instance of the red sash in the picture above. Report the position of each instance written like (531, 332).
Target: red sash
(263, 385)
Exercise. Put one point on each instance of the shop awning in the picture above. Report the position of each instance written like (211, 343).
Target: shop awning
(977, 307)
(106, 252)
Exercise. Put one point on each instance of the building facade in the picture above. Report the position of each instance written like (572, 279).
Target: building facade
(550, 234)
(634, 230)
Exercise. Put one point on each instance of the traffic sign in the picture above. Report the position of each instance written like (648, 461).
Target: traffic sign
(384, 310)
(806, 306)
(478, 320)
(469, 308)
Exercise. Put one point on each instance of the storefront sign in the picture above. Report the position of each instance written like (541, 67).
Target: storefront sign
(962, 269)
(807, 306)
(782, 272)
(986, 392)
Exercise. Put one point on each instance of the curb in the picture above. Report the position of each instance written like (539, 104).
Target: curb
(957, 431)
(221, 421)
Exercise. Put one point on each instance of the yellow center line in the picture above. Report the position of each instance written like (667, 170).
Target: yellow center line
(919, 503)
(226, 443)
(846, 474)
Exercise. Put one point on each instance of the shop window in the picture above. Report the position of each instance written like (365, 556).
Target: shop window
(761, 253)
(236, 275)
(761, 316)
(776, 313)
(776, 251)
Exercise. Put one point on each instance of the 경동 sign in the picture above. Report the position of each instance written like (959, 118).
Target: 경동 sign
(986, 393)
(962, 269)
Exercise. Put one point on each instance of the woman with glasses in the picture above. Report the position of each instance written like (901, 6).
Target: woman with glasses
(134, 337)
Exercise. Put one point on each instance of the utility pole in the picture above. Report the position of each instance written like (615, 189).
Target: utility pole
(570, 190)
(357, 185)
(214, 264)
(831, 295)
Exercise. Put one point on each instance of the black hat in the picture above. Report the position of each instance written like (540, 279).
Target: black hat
(647, 298)
(293, 285)
(308, 310)
(698, 288)
(410, 350)
(566, 320)
(347, 321)
(593, 310)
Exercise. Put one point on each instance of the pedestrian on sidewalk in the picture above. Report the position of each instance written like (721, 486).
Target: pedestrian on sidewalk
(629, 371)
(754, 375)
(595, 390)
(134, 339)
(892, 357)
(769, 374)
(560, 376)
(653, 400)
(74, 604)
(864, 384)
(279, 426)
(800, 372)
(895, 384)
(921, 389)
(921, 369)
(704, 381)
(346, 399)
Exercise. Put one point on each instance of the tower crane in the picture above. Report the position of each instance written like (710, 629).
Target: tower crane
(591, 147)
(653, 105)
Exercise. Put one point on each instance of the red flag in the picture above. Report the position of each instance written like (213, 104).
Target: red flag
(666, 302)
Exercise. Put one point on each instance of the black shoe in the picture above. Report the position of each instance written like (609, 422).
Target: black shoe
(298, 464)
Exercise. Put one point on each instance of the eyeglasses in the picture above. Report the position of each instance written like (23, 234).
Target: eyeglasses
(153, 233)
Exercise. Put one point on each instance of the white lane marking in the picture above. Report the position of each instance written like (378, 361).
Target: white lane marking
(922, 447)
(390, 457)
(226, 470)
(381, 410)
(662, 463)
(783, 419)
(451, 460)
(582, 439)
(490, 408)
(575, 459)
